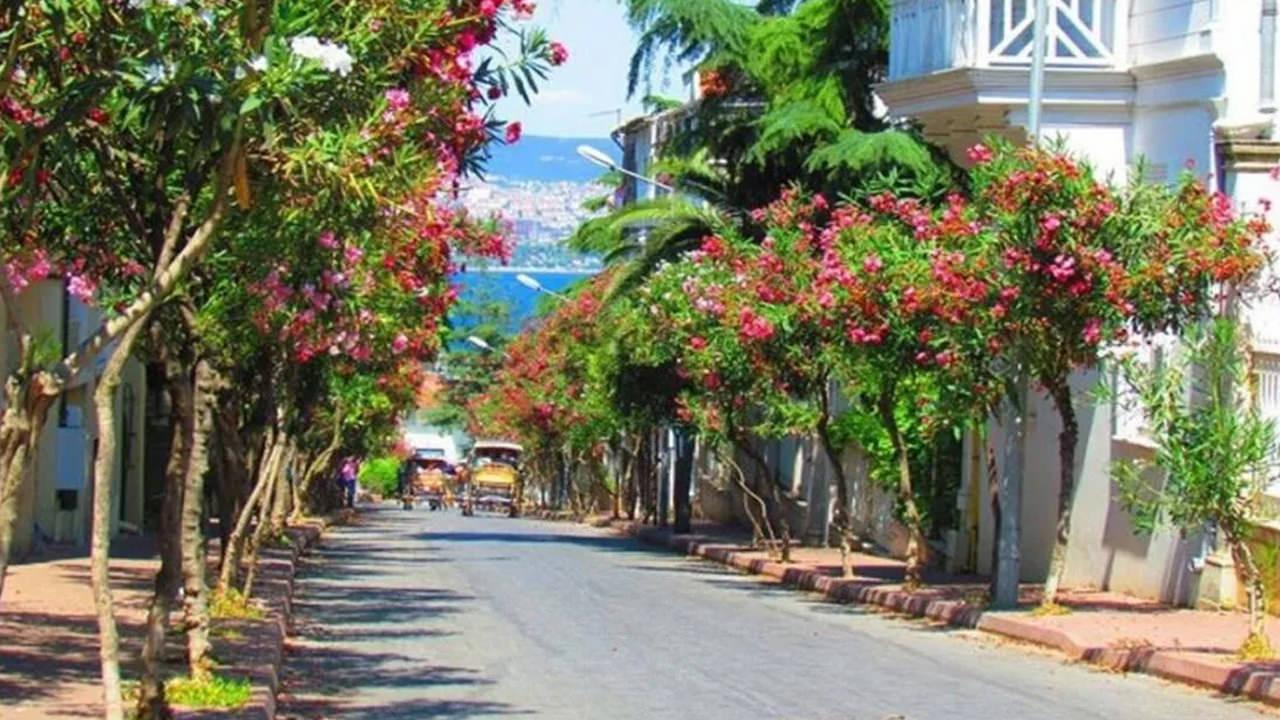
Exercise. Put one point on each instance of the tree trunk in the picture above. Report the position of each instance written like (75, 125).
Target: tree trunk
(284, 488)
(1067, 440)
(1008, 491)
(151, 698)
(762, 531)
(104, 402)
(195, 563)
(775, 510)
(917, 545)
(230, 571)
(993, 492)
(233, 474)
(273, 475)
(683, 481)
(1254, 589)
(25, 411)
(316, 467)
(633, 471)
(844, 523)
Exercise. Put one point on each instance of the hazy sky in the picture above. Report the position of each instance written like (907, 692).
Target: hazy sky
(595, 78)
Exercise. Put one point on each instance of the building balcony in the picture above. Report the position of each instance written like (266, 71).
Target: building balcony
(928, 36)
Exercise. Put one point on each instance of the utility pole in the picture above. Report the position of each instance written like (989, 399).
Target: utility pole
(1008, 568)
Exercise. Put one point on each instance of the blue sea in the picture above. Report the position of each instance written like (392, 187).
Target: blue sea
(524, 303)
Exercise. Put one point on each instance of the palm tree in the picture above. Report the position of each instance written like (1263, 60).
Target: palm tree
(800, 106)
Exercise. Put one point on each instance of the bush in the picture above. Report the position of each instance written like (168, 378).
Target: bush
(233, 605)
(214, 692)
(380, 475)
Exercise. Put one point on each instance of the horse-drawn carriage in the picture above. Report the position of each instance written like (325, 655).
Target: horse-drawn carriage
(492, 478)
(433, 478)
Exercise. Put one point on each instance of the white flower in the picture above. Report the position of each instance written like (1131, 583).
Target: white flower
(157, 72)
(259, 64)
(331, 56)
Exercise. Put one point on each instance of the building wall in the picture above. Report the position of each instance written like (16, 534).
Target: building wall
(1161, 30)
(55, 464)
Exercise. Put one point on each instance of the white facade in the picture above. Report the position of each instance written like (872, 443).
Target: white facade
(1173, 83)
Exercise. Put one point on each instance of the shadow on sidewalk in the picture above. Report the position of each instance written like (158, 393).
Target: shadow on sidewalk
(43, 652)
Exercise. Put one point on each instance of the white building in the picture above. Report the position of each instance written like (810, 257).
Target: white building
(1177, 83)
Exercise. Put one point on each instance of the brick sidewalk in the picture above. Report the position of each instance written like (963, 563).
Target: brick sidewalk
(49, 666)
(49, 633)
(1116, 631)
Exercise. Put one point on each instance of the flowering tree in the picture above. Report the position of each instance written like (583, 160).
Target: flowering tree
(549, 393)
(903, 290)
(135, 133)
(1077, 264)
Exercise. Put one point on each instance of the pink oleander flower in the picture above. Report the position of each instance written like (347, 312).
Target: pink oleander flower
(514, 130)
(400, 344)
(754, 326)
(82, 288)
(397, 99)
(327, 240)
(559, 53)
(1092, 333)
(872, 264)
(980, 154)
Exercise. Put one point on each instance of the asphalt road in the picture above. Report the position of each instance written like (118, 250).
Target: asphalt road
(414, 614)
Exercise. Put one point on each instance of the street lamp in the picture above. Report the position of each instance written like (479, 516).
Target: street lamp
(480, 343)
(597, 157)
(533, 284)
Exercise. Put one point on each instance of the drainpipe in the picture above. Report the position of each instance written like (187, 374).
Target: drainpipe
(1267, 71)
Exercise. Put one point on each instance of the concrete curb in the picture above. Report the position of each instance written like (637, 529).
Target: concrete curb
(254, 649)
(1257, 681)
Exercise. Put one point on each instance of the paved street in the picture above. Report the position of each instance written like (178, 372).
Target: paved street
(432, 615)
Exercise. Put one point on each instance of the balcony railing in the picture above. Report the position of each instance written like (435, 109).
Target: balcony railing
(931, 35)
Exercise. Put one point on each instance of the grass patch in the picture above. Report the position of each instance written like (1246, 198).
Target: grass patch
(215, 692)
(233, 605)
(226, 633)
(1256, 647)
(1050, 610)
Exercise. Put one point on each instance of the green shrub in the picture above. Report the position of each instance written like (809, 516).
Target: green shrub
(380, 475)
(215, 692)
(233, 605)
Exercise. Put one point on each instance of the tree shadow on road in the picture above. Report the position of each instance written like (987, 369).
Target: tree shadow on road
(609, 544)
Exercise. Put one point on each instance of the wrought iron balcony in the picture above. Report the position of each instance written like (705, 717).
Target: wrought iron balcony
(928, 36)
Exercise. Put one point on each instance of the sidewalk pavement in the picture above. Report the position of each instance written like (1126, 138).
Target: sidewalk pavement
(1115, 631)
(49, 665)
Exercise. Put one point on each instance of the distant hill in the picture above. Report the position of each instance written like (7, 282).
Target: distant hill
(548, 159)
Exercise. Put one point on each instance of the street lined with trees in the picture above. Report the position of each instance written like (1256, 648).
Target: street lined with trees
(256, 196)
(890, 302)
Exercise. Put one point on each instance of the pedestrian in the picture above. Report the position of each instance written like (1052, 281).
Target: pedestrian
(404, 483)
(347, 480)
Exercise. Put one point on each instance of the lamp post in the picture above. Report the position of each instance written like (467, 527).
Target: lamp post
(594, 156)
(1008, 568)
(533, 284)
(480, 343)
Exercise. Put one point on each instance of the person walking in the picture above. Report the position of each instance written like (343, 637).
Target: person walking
(347, 476)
